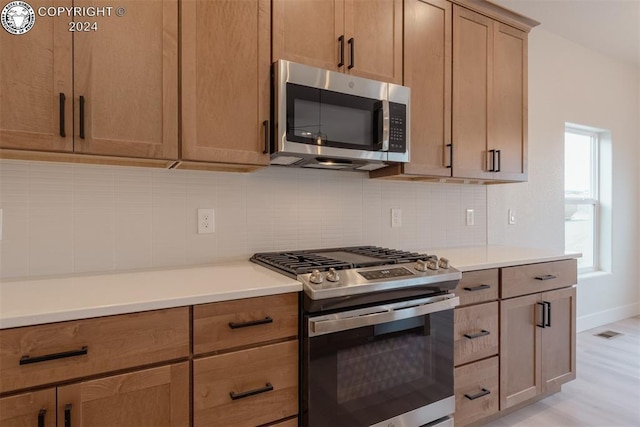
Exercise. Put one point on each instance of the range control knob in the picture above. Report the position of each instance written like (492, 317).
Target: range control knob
(432, 263)
(315, 277)
(421, 265)
(332, 275)
(443, 263)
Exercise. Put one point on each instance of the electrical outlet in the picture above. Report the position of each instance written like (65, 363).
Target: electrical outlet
(396, 218)
(512, 216)
(206, 221)
(470, 218)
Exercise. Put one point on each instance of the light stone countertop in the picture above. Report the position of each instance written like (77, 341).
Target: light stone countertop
(32, 301)
(485, 257)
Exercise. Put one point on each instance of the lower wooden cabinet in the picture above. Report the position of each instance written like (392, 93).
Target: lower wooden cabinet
(153, 397)
(476, 391)
(36, 408)
(248, 387)
(150, 397)
(537, 344)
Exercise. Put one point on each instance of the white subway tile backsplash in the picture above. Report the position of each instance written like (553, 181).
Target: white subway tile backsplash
(62, 218)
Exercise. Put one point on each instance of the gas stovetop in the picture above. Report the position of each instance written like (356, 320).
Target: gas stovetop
(339, 272)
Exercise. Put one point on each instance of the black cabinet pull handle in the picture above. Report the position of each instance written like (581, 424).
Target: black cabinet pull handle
(266, 136)
(81, 116)
(26, 360)
(478, 335)
(264, 321)
(341, 59)
(548, 305)
(493, 160)
(67, 415)
(499, 161)
(352, 48)
(546, 277)
(62, 100)
(41, 415)
(484, 392)
(477, 288)
(544, 315)
(450, 165)
(243, 394)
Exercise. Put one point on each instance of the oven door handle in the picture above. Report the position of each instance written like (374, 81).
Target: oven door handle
(382, 314)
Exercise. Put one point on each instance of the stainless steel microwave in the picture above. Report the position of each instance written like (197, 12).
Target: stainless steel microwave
(330, 120)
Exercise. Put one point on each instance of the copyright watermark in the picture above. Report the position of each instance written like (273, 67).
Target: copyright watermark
(18, 17)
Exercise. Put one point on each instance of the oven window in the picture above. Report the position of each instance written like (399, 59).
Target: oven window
(322, 117)
(364, 376)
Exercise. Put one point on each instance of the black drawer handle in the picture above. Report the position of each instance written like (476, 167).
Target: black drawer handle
(82, 101)
(352, 44)
(67, 415)
(265, 124)
(62, 125)
(26, 360)
(242, 395)
(546, 277)
(484, 392)
(477, 288)
(341, 59)
(41, 416)
(264, 321)
(544, 315)
(478, 335)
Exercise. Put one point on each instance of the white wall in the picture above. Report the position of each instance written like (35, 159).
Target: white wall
(65, 218)
(570, 83)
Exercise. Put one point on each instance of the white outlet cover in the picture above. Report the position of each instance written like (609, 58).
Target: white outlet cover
(206, 221)
(396, 218)
(470, 220)
(512, 216)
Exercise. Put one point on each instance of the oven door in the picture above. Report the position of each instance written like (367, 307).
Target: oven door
(384, 364)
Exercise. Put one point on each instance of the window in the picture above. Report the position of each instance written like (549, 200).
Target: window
(581, 204)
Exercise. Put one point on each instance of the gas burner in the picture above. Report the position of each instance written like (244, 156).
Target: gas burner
(362, 270)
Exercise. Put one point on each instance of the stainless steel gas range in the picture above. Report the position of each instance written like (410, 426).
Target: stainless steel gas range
(376, 335)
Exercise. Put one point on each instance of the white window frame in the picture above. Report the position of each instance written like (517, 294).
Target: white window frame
(594, 200)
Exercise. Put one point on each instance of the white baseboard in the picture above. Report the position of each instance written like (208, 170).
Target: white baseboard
(600, 318)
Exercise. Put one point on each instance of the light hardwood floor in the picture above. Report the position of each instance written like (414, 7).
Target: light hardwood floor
(606, 392)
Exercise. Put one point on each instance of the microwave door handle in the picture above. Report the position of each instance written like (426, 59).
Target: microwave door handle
(385, 125)
(321, 327)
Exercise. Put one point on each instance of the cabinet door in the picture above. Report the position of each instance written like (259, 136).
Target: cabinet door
(153, 397)
(225, 80)
(307, 31)
(35, 70)
(127, 73)
(472, 92)
(558, 345)
(427, 71)
(509, 122)
(373, 33)
(519, 350)
(33, 409)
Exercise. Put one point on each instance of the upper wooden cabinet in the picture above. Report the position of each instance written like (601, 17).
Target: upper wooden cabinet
(88, 89)
(468, 79)
(427, 71)
(359, 37)
(225, 81)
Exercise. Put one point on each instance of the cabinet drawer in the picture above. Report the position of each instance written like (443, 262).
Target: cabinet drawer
(533, 278)
(478, 286)
(475, 332)
(246, 388)
(231, 324)
(476, 389)
(56, 352)
(29, 409)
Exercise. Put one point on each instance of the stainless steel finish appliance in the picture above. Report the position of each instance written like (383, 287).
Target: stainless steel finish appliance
(331, 120)
(376, 335)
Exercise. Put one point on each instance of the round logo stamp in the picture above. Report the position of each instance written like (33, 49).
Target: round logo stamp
(17, 17)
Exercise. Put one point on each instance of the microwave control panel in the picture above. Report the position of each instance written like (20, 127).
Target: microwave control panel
(397, 127)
